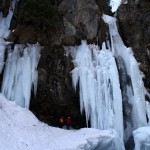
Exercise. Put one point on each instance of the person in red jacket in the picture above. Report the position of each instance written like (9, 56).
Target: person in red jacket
(68, 122)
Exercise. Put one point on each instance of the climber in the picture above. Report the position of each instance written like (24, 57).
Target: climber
(68, 122)
(61, 122)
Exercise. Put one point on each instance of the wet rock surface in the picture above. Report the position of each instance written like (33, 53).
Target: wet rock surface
(4, 6)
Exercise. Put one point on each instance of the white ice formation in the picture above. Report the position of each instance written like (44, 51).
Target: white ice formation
(4, 32)
(115, 4)
(134, 92)
(102, 95)
(21, 73)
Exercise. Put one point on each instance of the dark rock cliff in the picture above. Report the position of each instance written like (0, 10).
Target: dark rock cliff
(68, 22)
(134, 25)
(65, 23)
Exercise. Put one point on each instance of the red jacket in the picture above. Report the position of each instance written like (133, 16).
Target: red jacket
(68, 121)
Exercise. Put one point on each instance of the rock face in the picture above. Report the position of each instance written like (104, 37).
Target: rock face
(4, 7)
(134, 25)
(81, 20)
(77, 19)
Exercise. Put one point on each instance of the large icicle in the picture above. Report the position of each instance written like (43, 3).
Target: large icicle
(135, 89)
(20, 73)
(100, 94)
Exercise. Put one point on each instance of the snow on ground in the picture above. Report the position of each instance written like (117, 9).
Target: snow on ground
(21, 130)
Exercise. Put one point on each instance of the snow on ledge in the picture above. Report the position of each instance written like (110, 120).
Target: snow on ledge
(115, 4)
(21, 130)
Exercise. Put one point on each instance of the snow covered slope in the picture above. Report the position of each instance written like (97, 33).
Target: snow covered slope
(20, 130)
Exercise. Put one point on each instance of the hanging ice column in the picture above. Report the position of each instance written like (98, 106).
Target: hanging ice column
(100, 94)
(21, 73)
(4, 32)
(135, 90)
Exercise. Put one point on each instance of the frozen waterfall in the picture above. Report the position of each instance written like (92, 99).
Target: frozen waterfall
(100, 94)
(21, 73)
(110, 83)
(135, 91)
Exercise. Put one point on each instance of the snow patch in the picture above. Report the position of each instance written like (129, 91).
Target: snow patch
(142, 138)
(21, 130)
(115, 4)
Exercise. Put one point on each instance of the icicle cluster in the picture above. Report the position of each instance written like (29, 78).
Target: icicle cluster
(20, 73)
(100, 94)
(135, 88)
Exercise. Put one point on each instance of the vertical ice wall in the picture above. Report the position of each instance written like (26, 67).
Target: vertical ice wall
(21, 73)
(135, 89)
(100, 94)
(4, 32)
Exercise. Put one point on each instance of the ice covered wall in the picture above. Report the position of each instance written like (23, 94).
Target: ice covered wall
(135, 91)
(4, 32)
(100, 94)
(21, 73)
(96, 74)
